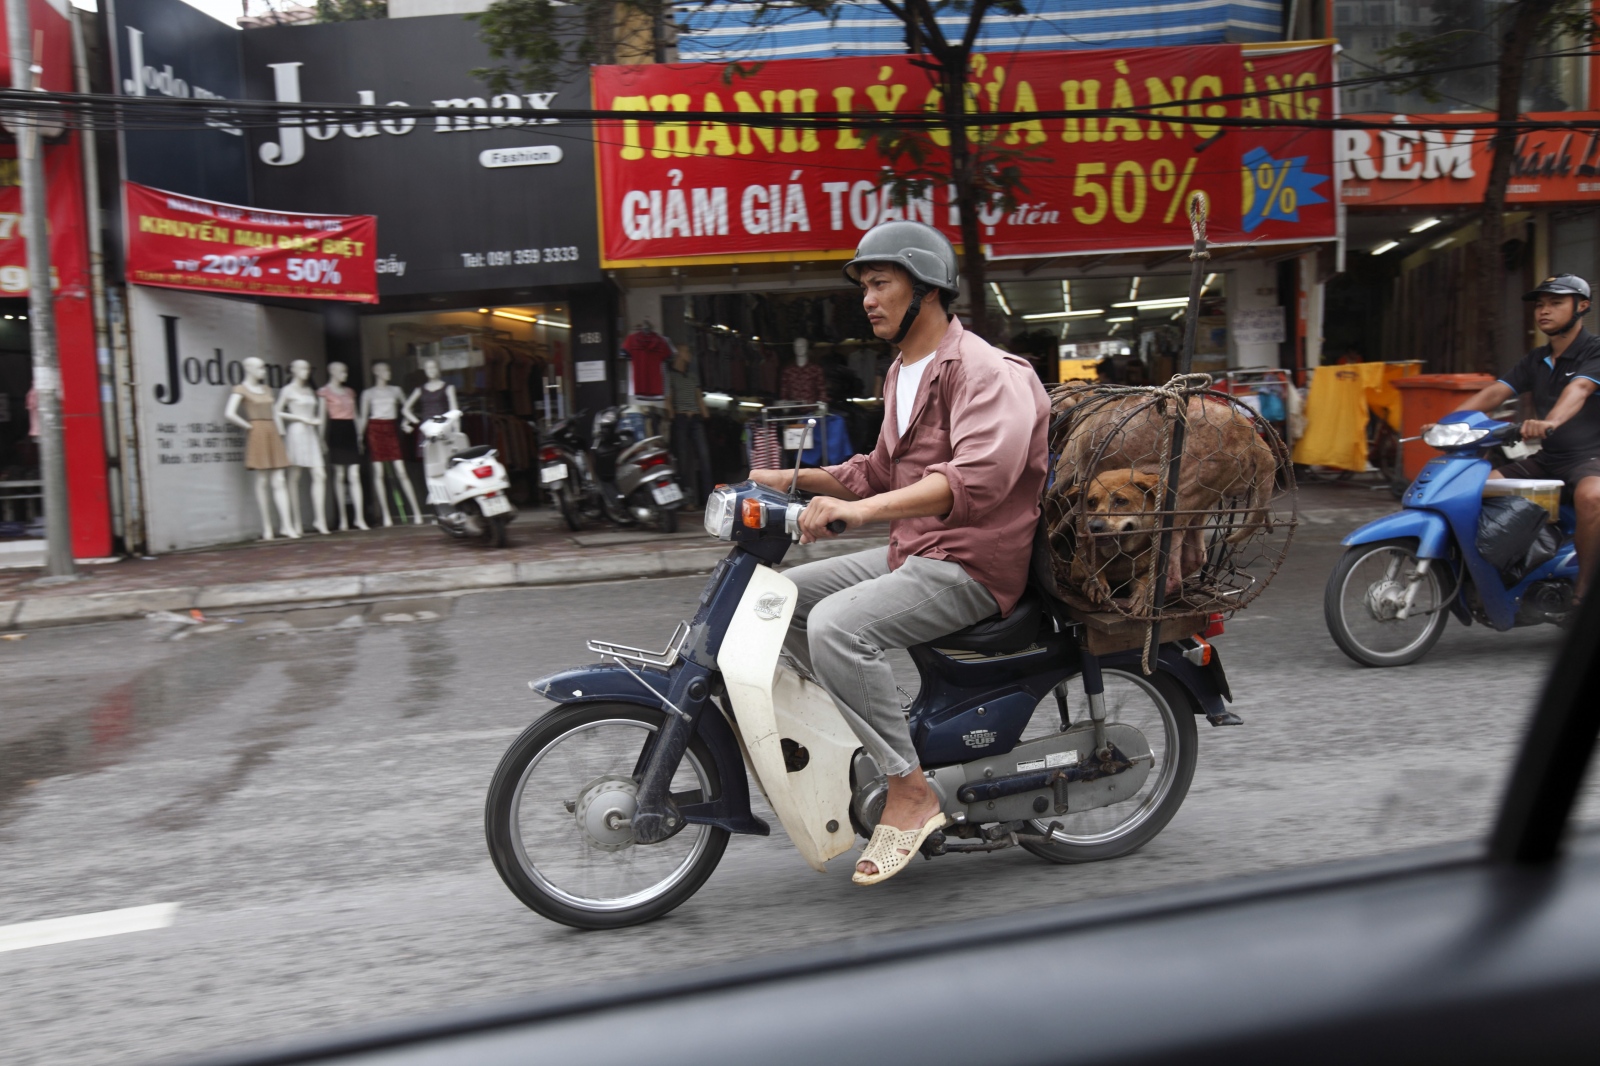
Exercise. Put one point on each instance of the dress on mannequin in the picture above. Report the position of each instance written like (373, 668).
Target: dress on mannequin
(302, 444)
(341, 408)
(264, 449)
(383, 432)
(431, 403)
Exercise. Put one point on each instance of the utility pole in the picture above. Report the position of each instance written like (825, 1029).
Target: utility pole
(41, 310)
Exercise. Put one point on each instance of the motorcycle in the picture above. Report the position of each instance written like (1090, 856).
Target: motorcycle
(467, 485)
(1389, 598)
(614, 807)
(622, 479)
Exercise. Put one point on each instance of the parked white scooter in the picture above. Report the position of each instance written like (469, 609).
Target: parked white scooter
(467, 485)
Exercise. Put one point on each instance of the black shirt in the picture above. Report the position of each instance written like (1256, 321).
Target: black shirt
(1579, 437)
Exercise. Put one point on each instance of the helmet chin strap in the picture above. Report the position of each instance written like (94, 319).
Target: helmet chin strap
(918, 291)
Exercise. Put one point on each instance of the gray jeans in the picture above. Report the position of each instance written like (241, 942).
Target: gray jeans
(851, 609)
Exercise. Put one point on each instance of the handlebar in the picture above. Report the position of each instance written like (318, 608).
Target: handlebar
(792, 521)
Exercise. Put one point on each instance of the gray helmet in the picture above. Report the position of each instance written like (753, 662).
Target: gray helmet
(924, 252)
(1560, 285)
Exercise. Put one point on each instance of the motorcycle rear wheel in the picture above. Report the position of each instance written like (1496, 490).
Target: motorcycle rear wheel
(1358, 582)
(541, 814)
(667, 519)
(1164, 711)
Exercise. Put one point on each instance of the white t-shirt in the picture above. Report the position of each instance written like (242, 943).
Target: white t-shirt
(905, 391)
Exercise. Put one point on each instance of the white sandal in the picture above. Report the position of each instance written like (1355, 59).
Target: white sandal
(890, 849)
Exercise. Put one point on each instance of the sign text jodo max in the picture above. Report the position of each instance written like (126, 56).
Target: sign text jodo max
(182, 242)
(674, 189)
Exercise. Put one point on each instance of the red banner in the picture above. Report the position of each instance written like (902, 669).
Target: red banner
(69, 260)
(1406, 167)
(182, 242)
(699, 189)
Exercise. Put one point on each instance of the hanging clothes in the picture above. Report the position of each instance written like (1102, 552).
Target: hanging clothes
(765, 454)
(647, 351)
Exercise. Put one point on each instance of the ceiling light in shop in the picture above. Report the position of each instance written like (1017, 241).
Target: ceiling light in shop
(483, 310)
(1427, 223)
(514, 315)
(1386, 246)
(1045, 316)
(994, 286)
(1133, 288)
(1066, 296)
(1121, 318)
(10, 317)
(1440, 243)
(1166, 301)
(1209, 279)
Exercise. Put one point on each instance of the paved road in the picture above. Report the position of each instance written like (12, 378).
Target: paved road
(308, 788)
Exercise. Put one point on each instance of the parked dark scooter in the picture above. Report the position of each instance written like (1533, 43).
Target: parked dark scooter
(618, 478)
(614, 807)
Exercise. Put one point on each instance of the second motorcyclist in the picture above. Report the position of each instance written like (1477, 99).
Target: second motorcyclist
(1562, 378)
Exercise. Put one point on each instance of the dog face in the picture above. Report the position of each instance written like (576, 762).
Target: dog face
(1120, 502)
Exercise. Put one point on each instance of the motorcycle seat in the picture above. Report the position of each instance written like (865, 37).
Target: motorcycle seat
(472, 453)
(996, 635)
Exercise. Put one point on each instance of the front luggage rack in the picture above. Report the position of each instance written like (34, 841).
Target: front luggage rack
(664, 658)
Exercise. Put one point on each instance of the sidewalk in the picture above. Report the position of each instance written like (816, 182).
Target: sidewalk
(405, 560)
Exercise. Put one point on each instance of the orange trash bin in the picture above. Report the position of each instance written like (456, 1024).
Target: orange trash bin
(1427, 398)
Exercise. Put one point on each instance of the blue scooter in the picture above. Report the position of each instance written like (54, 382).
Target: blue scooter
(1388, 600)
(614, 807)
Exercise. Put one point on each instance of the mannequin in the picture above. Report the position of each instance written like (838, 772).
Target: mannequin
(264, 454)
(302, 411)
(804, 380)
(437, 397)
(380, 407)
(343, 444)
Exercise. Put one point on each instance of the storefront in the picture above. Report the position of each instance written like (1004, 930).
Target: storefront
(485, 255)
(486, 240)
(728, 239)
(1413, 201)
(84, 434)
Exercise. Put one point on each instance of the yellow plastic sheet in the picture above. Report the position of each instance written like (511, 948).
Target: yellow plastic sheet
(1385, 399)
(1336, 415)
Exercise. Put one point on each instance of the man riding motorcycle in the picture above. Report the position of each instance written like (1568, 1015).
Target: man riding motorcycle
(1562, 377)
(957, 473)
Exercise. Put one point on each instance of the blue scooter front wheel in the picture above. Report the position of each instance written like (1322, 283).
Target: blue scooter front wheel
(1384, 606)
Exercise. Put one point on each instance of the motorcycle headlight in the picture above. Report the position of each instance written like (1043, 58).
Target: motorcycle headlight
(720, 509)
(1453, 435)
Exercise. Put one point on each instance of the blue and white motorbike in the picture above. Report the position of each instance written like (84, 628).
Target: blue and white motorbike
(1392, 593)
(614, 807)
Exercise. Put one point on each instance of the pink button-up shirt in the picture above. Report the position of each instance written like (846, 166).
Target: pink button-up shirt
(980, 420)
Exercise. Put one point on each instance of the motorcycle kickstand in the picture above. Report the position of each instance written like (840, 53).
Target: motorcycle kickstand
(1094, 687)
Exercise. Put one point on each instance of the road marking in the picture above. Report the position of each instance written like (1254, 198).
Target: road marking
(86, 926)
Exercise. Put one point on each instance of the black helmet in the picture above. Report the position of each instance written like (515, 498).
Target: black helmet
(924, 253)
(1560, 285)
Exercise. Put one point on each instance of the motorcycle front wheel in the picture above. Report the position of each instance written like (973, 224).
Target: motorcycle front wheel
(1163, 710)
(567, 500)
(1364, 594)
(557, 817)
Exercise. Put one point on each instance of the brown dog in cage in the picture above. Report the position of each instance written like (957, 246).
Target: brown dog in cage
(1119, 519)
(1224, 458)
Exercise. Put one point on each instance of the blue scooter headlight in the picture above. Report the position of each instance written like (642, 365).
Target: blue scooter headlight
(1453, 435)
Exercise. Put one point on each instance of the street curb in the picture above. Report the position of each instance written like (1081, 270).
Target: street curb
(42, 611)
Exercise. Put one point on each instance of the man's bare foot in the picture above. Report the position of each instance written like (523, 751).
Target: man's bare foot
(911, 802)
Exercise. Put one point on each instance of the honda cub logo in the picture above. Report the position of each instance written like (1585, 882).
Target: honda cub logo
(497, 112)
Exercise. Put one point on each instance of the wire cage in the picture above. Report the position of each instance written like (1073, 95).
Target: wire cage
(1165, 501)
